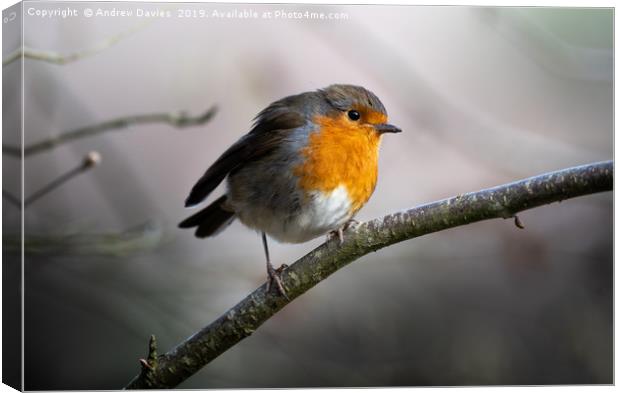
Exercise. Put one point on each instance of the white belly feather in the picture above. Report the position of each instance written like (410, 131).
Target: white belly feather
(322, 213)
(326, 213)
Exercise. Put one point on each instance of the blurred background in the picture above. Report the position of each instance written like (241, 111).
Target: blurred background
(484, 96)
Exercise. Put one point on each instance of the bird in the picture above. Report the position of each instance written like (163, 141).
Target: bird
(306, 167)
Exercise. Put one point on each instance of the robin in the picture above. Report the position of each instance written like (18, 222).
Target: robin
(306, 167)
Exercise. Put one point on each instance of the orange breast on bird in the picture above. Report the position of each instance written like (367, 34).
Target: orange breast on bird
(341, 153)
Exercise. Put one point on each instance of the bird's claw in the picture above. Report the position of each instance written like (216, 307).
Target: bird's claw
(351, 224)
(275, 280)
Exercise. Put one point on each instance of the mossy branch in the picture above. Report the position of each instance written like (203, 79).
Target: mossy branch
(178, 120)
(242, 320)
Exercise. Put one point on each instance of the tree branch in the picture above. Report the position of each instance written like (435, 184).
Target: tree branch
(139, 239)
(243, 319)
(178, 120)
(61, 59)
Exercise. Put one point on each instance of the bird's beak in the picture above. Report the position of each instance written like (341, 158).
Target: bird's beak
(385, 127)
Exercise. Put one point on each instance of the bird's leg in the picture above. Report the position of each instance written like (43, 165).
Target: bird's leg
(352, 223)
(274, 274)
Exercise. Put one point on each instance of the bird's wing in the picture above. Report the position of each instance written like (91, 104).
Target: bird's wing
(271, 125)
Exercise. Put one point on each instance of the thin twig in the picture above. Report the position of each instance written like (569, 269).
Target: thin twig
(179, 120)
(150, 363)
(11, 198)
(90, 161)
(242, 320)
(79, 242)
(518, 223)
(61, 59)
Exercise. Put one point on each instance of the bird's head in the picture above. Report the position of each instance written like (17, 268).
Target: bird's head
(356, 109)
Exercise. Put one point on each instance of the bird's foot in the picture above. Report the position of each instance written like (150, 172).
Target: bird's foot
(351, 224)
(275, 280)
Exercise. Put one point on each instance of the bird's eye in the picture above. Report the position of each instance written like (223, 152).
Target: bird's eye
(354, 115)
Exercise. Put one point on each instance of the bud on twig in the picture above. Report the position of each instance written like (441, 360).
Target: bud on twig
(92, 159)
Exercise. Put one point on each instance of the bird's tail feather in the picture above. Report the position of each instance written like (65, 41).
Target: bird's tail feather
(211, 220)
